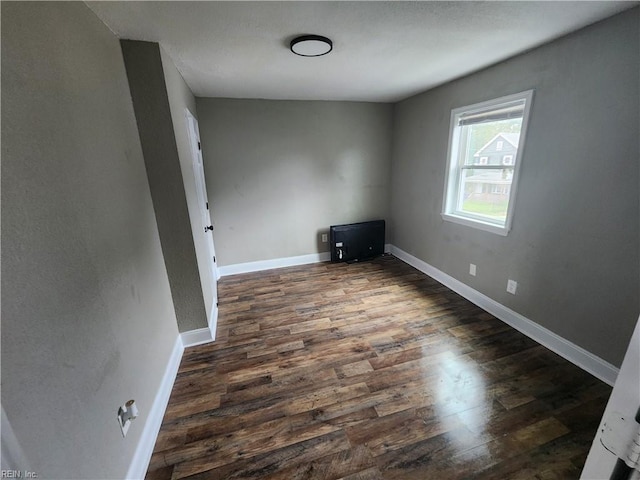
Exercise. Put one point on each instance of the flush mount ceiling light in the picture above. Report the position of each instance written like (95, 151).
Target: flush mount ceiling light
(311, 45)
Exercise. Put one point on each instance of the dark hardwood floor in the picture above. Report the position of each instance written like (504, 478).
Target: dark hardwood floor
(371, 371)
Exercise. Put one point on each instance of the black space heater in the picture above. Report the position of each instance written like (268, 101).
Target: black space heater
(357, 241)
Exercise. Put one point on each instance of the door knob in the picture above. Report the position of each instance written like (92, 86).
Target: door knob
(210, 227)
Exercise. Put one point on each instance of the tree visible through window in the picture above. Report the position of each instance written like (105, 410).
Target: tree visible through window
(485, 147)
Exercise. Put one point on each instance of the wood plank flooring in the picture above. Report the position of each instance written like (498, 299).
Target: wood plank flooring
(371, 371)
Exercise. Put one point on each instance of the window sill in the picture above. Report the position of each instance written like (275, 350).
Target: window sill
(478, 224)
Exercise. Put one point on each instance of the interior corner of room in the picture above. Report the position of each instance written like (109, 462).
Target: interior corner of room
(107, 274)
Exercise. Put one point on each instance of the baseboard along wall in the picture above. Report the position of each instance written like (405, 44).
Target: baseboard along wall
(580, 357)
(274, 263)
(142, 456)
(198, 337)
(280, 263)
(144, 450)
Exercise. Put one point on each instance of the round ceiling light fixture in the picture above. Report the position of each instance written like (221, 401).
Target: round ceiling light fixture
(311, 45)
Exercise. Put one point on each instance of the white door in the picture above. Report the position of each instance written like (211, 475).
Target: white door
(206, 226)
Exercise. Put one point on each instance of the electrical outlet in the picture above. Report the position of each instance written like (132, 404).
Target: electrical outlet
(126, 414)
(324, 238)
(472, 269)
(512, 286)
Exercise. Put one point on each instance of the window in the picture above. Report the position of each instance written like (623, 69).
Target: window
(482, 193)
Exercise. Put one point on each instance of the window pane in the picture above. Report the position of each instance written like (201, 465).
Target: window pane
(488, 143)
(485, 193)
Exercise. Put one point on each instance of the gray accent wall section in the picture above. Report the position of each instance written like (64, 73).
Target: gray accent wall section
(574, 244)
(181, 99)
(281, 172)
(87, 316)
(153, 115)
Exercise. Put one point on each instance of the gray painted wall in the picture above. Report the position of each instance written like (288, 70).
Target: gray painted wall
(87, 316)
(180, 99)
(157, 135)
(574, 245)
(281, 172)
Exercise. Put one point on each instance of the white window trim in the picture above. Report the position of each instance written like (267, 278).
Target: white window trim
(504, 159)
(451, 177)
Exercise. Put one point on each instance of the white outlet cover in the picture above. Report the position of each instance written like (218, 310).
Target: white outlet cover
(324, 238)
(472, 269)
(512, 286)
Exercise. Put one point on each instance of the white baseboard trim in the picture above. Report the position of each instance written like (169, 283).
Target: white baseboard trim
(281, 262)
(198, 337)
(589, 362)
(142, 456)
(274, 263)
(202, 335)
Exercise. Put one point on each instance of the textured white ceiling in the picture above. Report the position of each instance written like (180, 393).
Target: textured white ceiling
(382, 51)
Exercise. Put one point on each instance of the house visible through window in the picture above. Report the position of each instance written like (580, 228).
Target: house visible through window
(485, 150)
